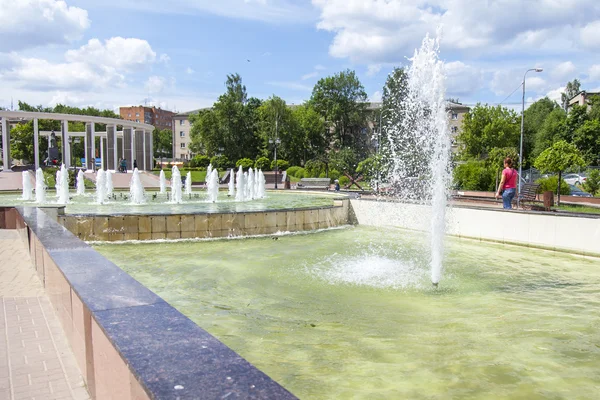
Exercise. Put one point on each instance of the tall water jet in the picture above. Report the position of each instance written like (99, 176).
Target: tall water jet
(109, 184)
(63, 187)
(250, 186)
(239, 185)
(163, 182)
(176, 196)
(57, 182)
(418, 146)
(260, 192)
(136, 188)
(231, 192)
(40, 187)
(80, 184)
(100, 186)
(27, 186)
(188, 183)
(213, 186)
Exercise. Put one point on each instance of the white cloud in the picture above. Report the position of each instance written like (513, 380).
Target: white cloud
(505, 81)
(66, 98)
(590, 36)
(320, 67)
(565, 70)
(374, 31)
(117, 52)
(376, 97)
(555, 94)
(594, 72)
(155, 84)
(189, 71)
(310, 75)
(291, 86)
(164, 58)
(33, 23)
(373, 69)
(462, 79)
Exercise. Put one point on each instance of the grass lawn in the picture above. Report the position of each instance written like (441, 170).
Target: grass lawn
(580, 209)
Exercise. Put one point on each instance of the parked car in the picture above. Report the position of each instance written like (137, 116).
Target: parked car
(574, 179)
(575, 191)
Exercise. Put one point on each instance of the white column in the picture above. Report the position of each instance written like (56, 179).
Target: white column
(67, 146)
(101, 152)
(132, 146)
(5, 145)
(36, 143)
(114, 155)
(93, 145)
(85, 147)
(144, 148)
(152, 149)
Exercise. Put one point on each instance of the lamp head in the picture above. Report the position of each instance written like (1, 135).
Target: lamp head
(539, 69)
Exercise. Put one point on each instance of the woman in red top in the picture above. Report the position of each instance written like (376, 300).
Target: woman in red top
(508, 184)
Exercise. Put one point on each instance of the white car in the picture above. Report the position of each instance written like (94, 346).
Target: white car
(574, 179)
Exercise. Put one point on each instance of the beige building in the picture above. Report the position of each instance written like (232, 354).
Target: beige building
(181, 135)
(582, 98)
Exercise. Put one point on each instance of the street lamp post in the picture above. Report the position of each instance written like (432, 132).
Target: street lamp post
(522, 126)
(275, 141)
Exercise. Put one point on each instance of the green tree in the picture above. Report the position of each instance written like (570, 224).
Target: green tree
(571, 90)
(535, 116)
(340, 99)
(276, 121)
(486, 127)
(592, 183)
(162, 143)
(311, 126)
(587, 140)
(559, 157)
(551, 130)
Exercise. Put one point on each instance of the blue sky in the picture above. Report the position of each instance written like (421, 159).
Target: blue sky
(176, 54)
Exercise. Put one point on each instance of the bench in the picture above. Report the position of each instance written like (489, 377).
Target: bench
(528, 194)
(314, 183)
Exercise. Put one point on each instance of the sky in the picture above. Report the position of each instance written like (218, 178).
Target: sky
(176, 54)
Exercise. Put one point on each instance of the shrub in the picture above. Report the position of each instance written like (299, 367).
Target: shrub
(263, 163)
(245, 163)
(282, 165)
(314, 168)
(334, 174)
(292, 171)
(200, 161)
(344, 180)
(550, 184)
(220, 162)
(474, 175)
(300, 173)
(592, 183)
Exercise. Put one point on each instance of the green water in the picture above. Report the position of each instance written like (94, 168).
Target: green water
(197, 203)
(350, 313)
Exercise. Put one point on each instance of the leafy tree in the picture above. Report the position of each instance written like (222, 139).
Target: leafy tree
(486, 127)
(162, 143)
(559, 157)
(340, 100)
(245, 163)
(571, 90)
(345, 161)
(587, 139)
(592, 183)
(535, 116)
(221, 161)
(311, 126)
(551, 130)
(282, 165)
(263, 163)
(550, 184)
(200, 161)
(277, 121)
(474, 175)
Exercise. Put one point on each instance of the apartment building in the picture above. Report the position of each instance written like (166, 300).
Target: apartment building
(582, 98)
(181, 135)
(156, 116)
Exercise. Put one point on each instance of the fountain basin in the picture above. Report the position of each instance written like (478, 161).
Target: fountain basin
(352, 313)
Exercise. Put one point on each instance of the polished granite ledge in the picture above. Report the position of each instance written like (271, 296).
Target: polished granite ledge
(128, 342)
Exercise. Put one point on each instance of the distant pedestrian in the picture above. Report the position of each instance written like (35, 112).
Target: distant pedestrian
(337, 185)
(135, 164)
(508, 184)
(124, 165)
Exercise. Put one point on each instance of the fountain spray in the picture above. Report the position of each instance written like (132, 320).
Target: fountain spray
(63, 188)
(27, 187)
(136, 188)
(40, 187)
(176, 196)
(163, 182)
(80, 184)
(231, 192)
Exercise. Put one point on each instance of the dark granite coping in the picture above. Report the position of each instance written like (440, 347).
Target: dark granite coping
(142, 214)
(514, 210)
(163, 348)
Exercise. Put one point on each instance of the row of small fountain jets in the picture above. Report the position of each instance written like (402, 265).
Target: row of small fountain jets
(249, 185)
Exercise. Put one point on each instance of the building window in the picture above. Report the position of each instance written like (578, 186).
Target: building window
(454, 129)
(183, 145)
(181, 134)
(181, 122)
(137, 114)
(129, 115)
(454, 116)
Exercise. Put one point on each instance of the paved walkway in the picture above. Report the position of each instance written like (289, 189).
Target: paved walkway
(36, 361)
(13, 181)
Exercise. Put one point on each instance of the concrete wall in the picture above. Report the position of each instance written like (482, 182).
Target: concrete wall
(574, 234)
(187, 226)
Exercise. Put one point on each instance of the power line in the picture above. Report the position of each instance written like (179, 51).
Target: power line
(513, 92)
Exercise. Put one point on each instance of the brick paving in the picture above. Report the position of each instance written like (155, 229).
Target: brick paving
(13, 181)
(36, 361)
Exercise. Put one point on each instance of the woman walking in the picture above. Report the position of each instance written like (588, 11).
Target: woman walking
(508, 184)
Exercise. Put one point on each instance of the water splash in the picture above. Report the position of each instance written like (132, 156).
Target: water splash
(418, 144)
(188, 183)
(109, 184)
(212, 186)
(176, 196)
(163, 182)
(27, 186)
(100, 186)
(231, 192)
(250, 188)
(136, 188)
(80, 184)
(261, 184)
(240, 187)
(40, 187)
(62, 188)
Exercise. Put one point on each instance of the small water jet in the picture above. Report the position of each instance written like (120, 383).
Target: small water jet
(40, 187)
(27, 186)
(212, 186)
(80, 185)
(62, 188)
(136, 188)
(109, 184)
(231, 191)
(239, 185)
(163, 182)
(250, 188)
(100, 186)
(176, 195)
(261, 184)
(188, 183)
